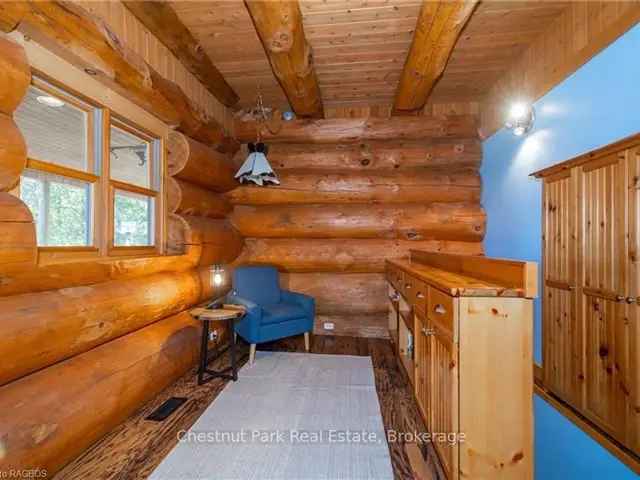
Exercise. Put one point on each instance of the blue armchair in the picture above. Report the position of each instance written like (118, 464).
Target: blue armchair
(272, 313)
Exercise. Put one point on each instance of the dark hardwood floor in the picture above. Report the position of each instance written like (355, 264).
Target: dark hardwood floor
(136, 447)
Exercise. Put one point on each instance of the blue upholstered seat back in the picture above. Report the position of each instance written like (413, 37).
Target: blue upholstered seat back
(257, 283)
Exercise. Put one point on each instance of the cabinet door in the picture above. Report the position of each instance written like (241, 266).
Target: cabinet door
(603, 291)
(444, 396)
(423, 368)
(562, 339)
(632, 377)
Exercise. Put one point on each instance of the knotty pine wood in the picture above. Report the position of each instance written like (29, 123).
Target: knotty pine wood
(341, 255)
(279, 26)
(195, 162)
(590, 340)
(40, 329)
(570, 39)
(135, 447)
(410, 221)
(145, 44)
(13, 153)
(374, 157)
(393, 186)
(163, 22)
(92, 393)
(186, 198)
(18, 249)
(438, 26)
(15, 75)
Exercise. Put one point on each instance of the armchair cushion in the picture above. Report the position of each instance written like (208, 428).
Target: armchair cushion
(281, 312)
(259, 284)
(305, 301)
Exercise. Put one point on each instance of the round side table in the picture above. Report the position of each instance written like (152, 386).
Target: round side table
(228, 313)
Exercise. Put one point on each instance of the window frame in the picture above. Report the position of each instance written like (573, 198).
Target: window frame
(100, 119)
(155, 182)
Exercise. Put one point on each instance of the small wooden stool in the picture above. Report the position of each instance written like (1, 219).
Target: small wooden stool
(230, 313)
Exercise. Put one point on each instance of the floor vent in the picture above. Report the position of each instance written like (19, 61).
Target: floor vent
(161, 413)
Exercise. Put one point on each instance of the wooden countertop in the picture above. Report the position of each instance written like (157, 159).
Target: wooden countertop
(466, 276)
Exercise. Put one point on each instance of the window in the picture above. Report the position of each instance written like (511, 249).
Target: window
(132, 157)
(92, 181)
(58, 184)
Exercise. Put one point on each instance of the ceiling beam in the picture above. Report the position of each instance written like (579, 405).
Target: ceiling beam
(163, 22)
(279, 26)
(86, 41)
(439, 25)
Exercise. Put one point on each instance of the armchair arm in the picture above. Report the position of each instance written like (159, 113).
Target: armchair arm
(305, 301)
(253, 309)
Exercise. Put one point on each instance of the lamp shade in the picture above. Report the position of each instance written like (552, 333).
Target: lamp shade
(256, 167)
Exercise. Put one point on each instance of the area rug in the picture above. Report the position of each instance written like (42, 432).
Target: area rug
(293, 416)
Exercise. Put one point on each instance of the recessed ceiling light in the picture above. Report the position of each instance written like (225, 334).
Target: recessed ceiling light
(50, 101)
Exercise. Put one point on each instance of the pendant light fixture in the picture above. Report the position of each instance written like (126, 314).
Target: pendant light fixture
(256, 168)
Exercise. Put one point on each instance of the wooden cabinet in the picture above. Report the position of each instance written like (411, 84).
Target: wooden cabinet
(591, 242)
(472, 374)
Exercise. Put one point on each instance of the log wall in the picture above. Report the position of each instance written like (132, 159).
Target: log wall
(86, 340)
(354, 192)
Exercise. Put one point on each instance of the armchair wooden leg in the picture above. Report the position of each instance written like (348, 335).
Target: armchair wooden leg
(252, 353)
(306, 341)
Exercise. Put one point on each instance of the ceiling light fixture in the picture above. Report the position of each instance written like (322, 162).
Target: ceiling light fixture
(520, 119)
(50, 101)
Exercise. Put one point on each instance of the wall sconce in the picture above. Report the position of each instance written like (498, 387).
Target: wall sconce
(521, 118)
(217, 275)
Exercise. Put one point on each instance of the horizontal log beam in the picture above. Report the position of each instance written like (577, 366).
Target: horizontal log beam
(18, 248)
(366, 292)
(86, 41)
(372, 325)
(217, 240)
(194, 162)
(40, 329)
(15, 281)
(341, 255)
(15, 75)
(13, 153)
(420, 186)
(437, 30)
(185, 198)
(163, 22)
(279, 26)
(464, 222)
(369, 155)
(354, 130)
(53, 415)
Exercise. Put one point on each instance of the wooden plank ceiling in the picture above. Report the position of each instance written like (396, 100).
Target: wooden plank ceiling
(360, 47)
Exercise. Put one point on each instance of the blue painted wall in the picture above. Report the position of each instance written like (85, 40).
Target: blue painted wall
(597, 105)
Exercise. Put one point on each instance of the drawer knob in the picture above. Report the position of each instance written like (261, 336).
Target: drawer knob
(631, 300)
(407, 286)
(619, 298)
(439, 309)
(420, 295)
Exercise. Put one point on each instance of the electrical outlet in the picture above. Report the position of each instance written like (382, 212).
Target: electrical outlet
(329, 326)
(213, 335)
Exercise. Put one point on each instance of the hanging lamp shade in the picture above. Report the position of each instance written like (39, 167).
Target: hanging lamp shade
(256, 167)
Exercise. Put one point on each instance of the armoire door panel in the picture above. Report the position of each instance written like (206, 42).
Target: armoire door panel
(606, 363)
(603, 240)
(560, 217)
(632, 380)
(563, 346)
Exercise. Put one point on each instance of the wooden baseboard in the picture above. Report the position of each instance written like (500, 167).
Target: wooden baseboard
(623, 454)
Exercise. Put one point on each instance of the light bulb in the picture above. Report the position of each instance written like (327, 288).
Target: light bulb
(217, 279)
(518, 111)
(518, 131)
(50, 101)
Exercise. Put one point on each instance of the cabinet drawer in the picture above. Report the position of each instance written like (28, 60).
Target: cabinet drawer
(440, 308)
